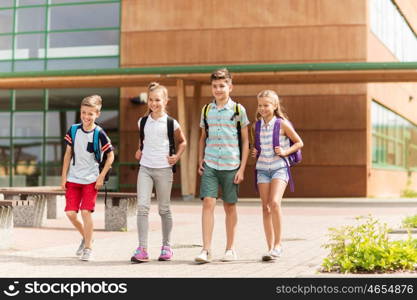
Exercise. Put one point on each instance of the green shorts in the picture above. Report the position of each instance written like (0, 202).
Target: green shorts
(211, 180)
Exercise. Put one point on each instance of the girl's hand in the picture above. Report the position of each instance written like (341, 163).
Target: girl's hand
(172, 160)
(254, 152)
(279, 151)
(138, 154)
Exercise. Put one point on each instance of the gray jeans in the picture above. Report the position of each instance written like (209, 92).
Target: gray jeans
(162, 179)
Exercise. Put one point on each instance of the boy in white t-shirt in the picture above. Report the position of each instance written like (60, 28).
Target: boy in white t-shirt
(157, 159)
(81, 177)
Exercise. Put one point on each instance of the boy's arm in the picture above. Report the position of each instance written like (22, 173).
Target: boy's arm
(201, 147)
(106, 168)
(65, 166)
(245, 153)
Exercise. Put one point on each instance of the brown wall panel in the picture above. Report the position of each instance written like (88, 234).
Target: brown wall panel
(261, 46)
(152, 15)
(327, 112)
(338, 148)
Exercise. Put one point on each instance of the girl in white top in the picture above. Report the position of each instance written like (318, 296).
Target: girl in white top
(156, 170)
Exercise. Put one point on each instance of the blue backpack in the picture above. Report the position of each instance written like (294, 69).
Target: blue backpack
(96, 146)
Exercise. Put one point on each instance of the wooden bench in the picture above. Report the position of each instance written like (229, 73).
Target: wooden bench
(6, 220)
(120, 208)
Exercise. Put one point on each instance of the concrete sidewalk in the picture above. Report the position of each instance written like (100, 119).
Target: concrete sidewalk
(49, 251)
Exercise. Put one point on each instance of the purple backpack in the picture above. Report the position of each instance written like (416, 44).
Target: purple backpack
(293, 159)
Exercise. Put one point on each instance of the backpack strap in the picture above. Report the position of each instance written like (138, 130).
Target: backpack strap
(170, 127)
(275, 142)
(73, 132)
(239, 129)
(142, 131)
(96, 144)
(275, 133)
(258, 148)
(258, 137)
(206, 109)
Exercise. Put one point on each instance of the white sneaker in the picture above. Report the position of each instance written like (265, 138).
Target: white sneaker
(229, 255)
(87, 255)
(203, 257)
(276, 252)
(80, 249)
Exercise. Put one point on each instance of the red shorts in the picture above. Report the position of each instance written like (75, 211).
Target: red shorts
(80, 196)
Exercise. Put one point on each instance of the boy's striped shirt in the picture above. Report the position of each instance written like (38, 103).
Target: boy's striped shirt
(222, 145)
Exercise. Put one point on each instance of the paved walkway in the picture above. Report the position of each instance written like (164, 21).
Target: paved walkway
(49, 251)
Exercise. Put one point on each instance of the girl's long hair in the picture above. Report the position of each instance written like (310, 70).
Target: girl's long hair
(155, 86)
(279, 111)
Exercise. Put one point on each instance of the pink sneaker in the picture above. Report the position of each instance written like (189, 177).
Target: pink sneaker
(140, 256)
(166, 253)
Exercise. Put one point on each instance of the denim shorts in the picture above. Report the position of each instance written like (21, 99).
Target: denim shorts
(266, 176)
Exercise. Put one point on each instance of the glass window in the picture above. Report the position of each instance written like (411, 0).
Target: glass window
(28, 124)
(30, 46)
(71, 98)
(4, 124)
(392, 145)
(82, 64)
(27, 151)
(29, 65)
(30, 2)
(31, 19)
(53, 151)
(4, 175)
(26, 174)
(4, 154)
(58, 122)
(109, 120)
(78, 17)
(72, 1)
(6, 20)
(5, 99)
(5, 66)
(389, 25)
(6, 3)
(29, 99)
(85, 43)
(6, 47)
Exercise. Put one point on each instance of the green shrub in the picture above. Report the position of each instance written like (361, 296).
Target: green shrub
(410, 222)
(409, 193)
(366, 248)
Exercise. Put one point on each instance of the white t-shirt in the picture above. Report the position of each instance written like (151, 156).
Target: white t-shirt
(156, 143)
(85, 170)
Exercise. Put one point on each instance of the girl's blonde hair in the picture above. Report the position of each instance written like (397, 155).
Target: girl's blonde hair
(279, 111)
(155, 86)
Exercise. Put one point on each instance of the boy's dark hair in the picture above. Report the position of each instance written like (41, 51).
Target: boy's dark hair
(221, 74)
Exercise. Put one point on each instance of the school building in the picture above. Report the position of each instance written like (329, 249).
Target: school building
(345, 71)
